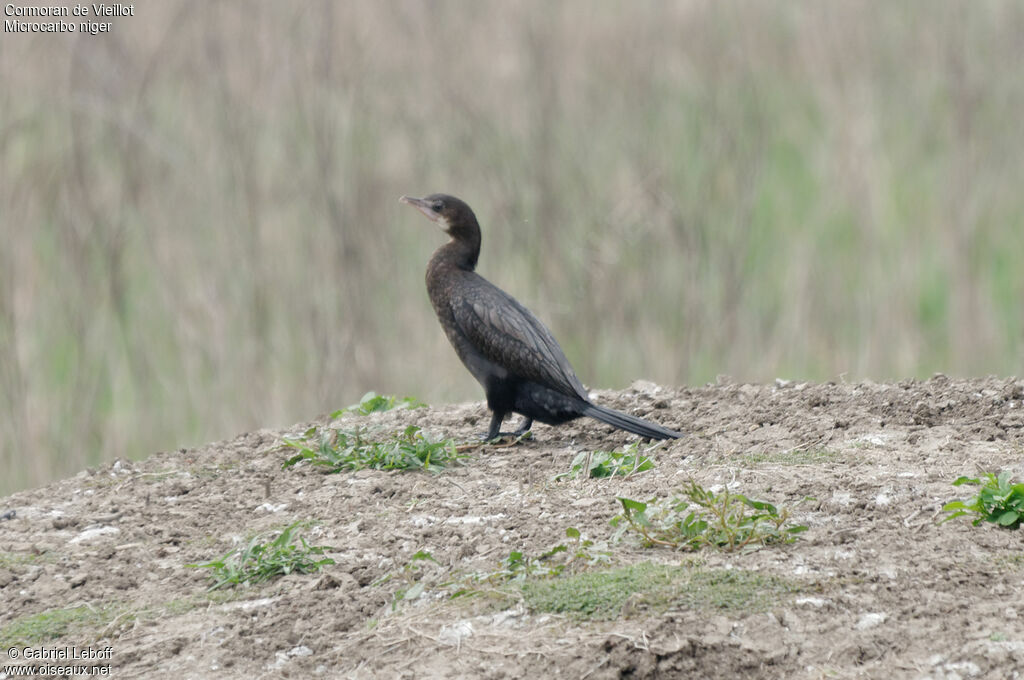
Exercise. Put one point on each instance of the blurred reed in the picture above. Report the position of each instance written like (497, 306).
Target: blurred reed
(201, 234)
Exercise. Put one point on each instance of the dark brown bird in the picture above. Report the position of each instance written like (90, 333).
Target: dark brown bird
(506, 348)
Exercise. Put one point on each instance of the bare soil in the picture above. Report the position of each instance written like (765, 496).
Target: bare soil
(881, 588)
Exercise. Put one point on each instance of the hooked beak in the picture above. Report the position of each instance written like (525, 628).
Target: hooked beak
(423, 206)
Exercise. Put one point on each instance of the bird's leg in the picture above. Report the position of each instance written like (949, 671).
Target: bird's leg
(495, 429)
(524, 426)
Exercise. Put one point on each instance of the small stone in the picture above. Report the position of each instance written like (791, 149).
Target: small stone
(454, 634)
(870, 620)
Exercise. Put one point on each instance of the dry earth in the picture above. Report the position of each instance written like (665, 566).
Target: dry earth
(879, 587)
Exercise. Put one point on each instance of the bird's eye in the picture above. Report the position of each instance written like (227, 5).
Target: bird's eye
(437, 206)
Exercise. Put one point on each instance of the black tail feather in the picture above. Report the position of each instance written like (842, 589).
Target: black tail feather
(623, 421)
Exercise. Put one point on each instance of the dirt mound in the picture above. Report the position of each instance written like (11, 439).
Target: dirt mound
(875, 587)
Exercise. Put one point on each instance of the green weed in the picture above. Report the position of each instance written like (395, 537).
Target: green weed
(733, 590)
(701, 519)
(578, 553)
(13, 559)
(626, 462)
(55, 623)
(341, 450)
(96, 622)
(574, 578)
(259, 561)
(376, 403)
(1000, 501)
(611, 593)
(604, 594)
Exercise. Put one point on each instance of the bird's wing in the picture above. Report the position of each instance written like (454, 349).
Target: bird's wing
(506, 333)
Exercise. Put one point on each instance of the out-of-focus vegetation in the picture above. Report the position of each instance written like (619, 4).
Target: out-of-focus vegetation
(200, 232)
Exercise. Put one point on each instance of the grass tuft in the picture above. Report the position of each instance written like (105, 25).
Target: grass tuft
(259, 561)
(611, 593)
(734, 590)
(52, 624)
(340, 450)
(17, 559)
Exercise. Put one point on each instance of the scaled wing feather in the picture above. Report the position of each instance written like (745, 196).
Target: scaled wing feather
(507, 333)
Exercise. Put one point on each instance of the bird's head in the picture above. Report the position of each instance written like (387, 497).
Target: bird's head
(451, 214)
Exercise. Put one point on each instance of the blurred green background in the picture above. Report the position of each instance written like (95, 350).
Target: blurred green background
(200, 233)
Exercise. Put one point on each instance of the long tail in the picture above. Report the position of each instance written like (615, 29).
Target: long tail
(639, 426)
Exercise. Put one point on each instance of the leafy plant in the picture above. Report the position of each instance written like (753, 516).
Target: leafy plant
(352, 450)
(609, 463)
(727, 521)
(375, 403)
(1000, 501)
(259, 561)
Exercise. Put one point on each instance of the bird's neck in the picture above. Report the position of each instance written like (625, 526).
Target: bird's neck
(460, 253)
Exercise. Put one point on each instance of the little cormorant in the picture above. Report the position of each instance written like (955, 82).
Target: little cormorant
(506, 348)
